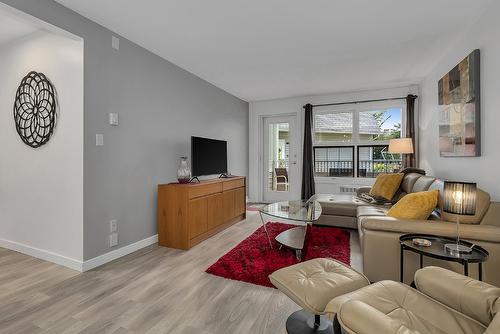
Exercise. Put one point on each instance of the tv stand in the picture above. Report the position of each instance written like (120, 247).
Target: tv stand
(192, 212)
(225, 176)
(194, 178)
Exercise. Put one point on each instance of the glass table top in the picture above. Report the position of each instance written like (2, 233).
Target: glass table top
(304, 211)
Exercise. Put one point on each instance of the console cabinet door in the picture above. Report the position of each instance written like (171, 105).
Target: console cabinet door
(197, 216)
(215, 211)
(228, 198)
(240, 201)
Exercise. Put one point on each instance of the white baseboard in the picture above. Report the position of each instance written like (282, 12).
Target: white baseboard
(76, 264)
(118, 253)
(42, 254)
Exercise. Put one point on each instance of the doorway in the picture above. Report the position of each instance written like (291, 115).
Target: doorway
(280, 170)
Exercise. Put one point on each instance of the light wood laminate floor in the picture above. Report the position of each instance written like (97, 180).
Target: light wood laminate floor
(154, 290)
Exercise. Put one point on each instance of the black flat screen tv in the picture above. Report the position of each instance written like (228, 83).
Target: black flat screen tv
(208, 156)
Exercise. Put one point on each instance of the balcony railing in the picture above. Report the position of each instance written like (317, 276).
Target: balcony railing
(334, 168)
(366, 168)
(373, 168)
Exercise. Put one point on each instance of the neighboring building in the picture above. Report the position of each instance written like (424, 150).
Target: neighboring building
(338, 127)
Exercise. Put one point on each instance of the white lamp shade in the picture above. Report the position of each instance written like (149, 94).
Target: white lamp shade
(401, 146)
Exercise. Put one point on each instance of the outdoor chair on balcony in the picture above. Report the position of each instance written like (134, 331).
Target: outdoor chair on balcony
(281, 179)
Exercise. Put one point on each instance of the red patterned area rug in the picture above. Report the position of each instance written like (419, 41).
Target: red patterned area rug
(252, 260)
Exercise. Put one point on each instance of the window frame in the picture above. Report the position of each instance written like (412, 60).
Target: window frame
(356, 140)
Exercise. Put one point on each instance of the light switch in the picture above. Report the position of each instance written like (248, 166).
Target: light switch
(113, 119)
(99, 140)
(115, 43)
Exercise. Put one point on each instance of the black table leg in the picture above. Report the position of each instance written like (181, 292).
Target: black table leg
(480, 271)
(466, 268)
(401, 263)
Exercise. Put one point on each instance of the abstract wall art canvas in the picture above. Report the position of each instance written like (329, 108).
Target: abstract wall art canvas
(460, 109)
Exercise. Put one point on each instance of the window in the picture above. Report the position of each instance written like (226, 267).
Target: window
(374, 159)
(380, 125)
(354, 142)
(334, 161)
(333, 127)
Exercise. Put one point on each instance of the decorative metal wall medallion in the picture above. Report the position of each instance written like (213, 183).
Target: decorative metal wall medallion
(35, 111)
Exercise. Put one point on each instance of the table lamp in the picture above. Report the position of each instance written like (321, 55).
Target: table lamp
(459, 199)
(401, 146)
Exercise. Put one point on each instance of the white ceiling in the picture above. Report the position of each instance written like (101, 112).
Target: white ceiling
(13, 27)
(265, 49)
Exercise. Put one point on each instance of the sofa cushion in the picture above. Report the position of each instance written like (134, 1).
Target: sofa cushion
(438, 185)
(376, 210)
(408, 170)
(408, 182)
(415, 205)
(411, 308)
(386, 185)
(399, 194)
(339, 205)
(483, 201)
(423, 183)
(491, 216)
(478, 300)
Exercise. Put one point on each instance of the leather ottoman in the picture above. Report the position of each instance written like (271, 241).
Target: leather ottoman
(312, 285)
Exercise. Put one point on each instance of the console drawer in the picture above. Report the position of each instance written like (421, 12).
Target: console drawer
(204, 190)
(233, 184)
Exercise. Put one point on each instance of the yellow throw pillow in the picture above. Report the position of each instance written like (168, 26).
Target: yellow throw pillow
(386, 185)
(415, 205)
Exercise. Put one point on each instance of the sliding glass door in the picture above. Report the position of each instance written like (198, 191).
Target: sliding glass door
(280, 174)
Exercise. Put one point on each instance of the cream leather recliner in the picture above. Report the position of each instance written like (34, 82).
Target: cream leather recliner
(444, 302)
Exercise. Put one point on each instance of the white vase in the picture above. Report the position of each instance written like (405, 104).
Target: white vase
(184, 172)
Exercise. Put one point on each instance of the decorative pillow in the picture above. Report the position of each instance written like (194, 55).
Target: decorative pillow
(418, 205)
(386, 185)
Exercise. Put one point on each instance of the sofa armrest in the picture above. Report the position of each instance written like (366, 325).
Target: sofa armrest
(363, 190)
(478, 232)
(476, 299)
(356, 317)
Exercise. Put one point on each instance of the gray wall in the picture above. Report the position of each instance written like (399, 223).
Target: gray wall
(160, 107)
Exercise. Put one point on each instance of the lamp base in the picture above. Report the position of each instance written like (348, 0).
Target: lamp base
(457, 249)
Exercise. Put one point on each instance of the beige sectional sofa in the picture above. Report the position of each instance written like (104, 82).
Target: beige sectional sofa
(379, 234)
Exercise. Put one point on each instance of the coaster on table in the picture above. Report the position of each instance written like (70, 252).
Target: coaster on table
(422, 242)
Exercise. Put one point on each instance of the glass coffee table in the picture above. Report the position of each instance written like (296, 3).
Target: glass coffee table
(305, 212)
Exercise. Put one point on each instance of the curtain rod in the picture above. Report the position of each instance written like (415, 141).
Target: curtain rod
(362, 101)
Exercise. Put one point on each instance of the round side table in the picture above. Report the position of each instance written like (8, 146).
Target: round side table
(437, 251)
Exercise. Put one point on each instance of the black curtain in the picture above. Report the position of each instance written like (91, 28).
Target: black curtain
(409, 159)
(307, 160)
